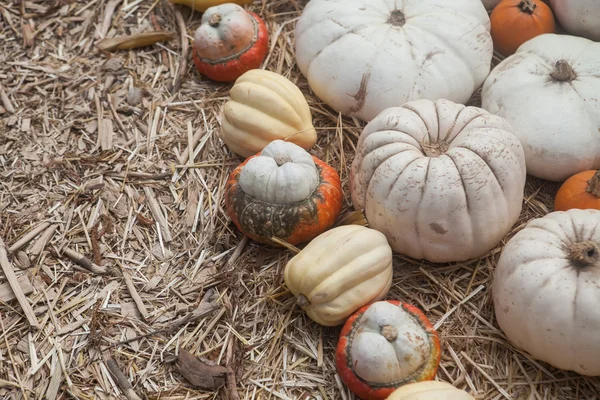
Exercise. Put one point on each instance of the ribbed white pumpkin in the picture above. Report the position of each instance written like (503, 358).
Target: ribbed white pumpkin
(362, 56)
(282, 173)
(554, 108)
(546, 290)
(578, 17)
(340, 271)
(442, 181)
(429, 390)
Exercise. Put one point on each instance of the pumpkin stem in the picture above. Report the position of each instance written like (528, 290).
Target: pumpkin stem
(527, 6)
(594, 184)
(302, 300)
(389, 332)
(563, 72)
(281, 159)
(214, 20)
(585, 253)
(397, 18)
(434, 149)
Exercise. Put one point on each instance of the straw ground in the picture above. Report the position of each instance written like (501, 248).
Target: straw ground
(111, 197)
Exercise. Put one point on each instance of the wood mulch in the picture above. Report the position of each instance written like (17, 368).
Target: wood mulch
(123, 276)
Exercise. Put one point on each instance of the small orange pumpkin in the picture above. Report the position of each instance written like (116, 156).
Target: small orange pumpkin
(283, 192)
(229, 42)
(582, 191)
(385, 345)
(513, 22)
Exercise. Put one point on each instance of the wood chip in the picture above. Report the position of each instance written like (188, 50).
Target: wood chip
(30, 235)
(105, 135)
(7, 294)
(122, 380)
(37, 248)
(158, 214)
(54, 386)
(6, 101)
(16, 287)
(134, 294)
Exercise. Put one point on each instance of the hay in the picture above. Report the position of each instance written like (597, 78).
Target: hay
(111, 199)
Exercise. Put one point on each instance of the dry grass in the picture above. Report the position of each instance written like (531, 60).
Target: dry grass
(149, 218)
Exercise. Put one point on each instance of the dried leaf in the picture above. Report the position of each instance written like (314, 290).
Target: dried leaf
(200, 374)
(134, 41)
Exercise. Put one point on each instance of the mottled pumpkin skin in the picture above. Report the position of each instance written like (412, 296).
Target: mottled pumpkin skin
(231, 67)
(374, 391)
(296, 222)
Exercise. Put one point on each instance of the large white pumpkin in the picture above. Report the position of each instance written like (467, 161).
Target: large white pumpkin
(578, 17)
(549, 90)
(362, 56)
(546, 290)
(442, 181)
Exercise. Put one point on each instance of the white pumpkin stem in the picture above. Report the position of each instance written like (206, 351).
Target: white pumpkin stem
(302, 300)
(215, 20)
(527, 6)
(397, 18)
(563, 72)
(389, 333)
(586, 253)
(281, 159)
(434, 149)
(594, 185)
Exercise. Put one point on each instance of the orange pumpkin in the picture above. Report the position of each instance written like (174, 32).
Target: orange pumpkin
(283, 192)
(229, 42)
(582, 191)
(513, 22)
(385, 345)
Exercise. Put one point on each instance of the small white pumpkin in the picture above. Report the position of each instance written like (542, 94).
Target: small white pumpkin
(385, 345)
(429, 390)
(283, 173)
(340, 271)
(546, 290)
(362, 56)
(442, 181)
(265, 106)
(578, 17)
(283, 192)
(549, 90)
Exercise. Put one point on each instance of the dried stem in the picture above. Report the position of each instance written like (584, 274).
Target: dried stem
(184, 51)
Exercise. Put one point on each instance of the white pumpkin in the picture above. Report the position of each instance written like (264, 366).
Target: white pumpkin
(429, 390)
(546, 290)
(578, 17)
(385, 345)
(442, 181)
(549, 90)
(283, 192)
(362, 56)
(340, 271)
(283, 173)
